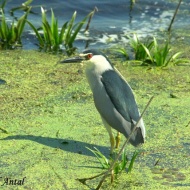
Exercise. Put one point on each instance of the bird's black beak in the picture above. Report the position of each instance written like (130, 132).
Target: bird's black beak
(77, 59)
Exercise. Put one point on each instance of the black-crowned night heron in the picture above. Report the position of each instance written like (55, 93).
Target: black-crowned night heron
(113, 97)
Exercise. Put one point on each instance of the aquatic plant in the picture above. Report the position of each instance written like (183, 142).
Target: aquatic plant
(163, 57)
(122, 51)
(150, 53)
(140, 49)
(100, 157)
(51, 39)
(10, 34)
(120, 165)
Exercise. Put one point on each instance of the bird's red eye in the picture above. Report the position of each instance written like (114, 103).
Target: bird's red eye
(89, 56)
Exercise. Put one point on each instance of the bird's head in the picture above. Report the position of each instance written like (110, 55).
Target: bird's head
(86, 55)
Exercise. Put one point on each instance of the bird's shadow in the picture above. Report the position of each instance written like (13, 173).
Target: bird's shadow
(68, 145)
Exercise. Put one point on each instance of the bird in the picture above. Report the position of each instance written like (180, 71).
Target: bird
(113, 98)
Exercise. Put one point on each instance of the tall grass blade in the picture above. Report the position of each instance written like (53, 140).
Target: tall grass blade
(62, 32)
(78, 28)
(38, 35)
(54, 28)
(27, 3)
(69, 29)
(173, 58)
(135, 154)
(4, 28)
(148, 53)
(101, 158)
(12, 34)
(21, 23)
(124, 160)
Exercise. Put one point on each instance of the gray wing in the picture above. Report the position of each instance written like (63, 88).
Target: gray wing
(121, 95)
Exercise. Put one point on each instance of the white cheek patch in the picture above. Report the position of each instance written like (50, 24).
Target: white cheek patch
(101, 64)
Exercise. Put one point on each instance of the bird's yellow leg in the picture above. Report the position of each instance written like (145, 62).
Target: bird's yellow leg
(112, 142)
(112, 139)
(117, 139)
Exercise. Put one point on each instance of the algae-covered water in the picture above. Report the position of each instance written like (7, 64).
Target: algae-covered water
(47, 119)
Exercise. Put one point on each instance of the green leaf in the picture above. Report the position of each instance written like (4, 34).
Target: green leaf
(69, 28)
(123, 51)
(124, 160)
(117, 168)
(148, 53)
(4, 28)
(48, 34)
(61, 34)
(77, 29)
(135, 154)
(173, 58)
(101, 158)
(12, 34)
(40, 39)
(27, 3)
(21, 24)
(54, 28)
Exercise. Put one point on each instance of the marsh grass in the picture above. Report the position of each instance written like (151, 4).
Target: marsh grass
(52, 38)
(157, 55)
(120, 165)
(138, 47)
(162, 56)
(10, 34)
(151, 53)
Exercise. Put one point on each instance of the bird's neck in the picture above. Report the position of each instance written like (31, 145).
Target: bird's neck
(98, 64)
(95, 67)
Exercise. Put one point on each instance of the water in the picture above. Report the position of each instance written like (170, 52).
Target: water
(113, 21)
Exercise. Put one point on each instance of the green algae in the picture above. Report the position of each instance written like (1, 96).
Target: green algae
(47, 119)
